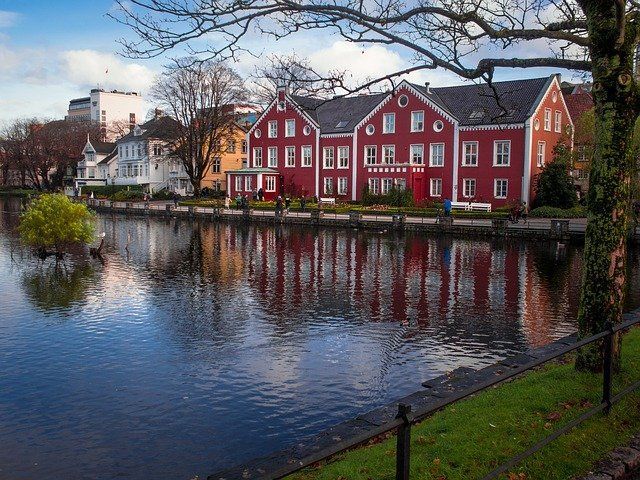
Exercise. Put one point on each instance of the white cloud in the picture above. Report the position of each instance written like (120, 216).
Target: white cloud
(8, 19)
(89, 68)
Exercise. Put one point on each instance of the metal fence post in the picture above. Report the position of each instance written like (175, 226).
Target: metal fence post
(403, 446)
(608, 367)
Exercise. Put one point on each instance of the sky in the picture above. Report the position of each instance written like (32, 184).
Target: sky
(54, 50)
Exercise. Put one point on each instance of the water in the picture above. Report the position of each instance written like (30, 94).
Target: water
(208, 344)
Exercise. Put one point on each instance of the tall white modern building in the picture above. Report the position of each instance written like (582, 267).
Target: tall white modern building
(116, 112)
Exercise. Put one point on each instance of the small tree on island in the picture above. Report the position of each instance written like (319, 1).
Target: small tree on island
(555, 185)
(52, 223)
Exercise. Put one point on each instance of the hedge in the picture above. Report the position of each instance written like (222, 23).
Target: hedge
(553, 212)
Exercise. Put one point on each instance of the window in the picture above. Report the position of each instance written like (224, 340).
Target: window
(306, 130)
(291, 157)
(388, 154)
(343, 158)
(327, 157)
(231, 146)
(437, 155)
(370, 129)
(370, 154)
(273, 129)
(342, 186)
(389, 123)
(139, 150)
(257, 133)
(120, 151)
(306, 156)
(436, 187)
(501, 153)
(547, 119)
(238, 183)
(558, 121)
(91, 172)
(215, 166)
(126, 151)
(290, 128)
(374, 186)
(401, 184)
(146, 169)
(244, 146)
(581, 153)
(132, 118)
(342, 124)
(417, 154)
(257, 156)
(157, 149)
(272, 157)
(403, 100)
(500, 188)
(541, 150)
(328, 186)
(417, 121)
(438, 126)
(270, 184)
(387, 184)
(469, 154)
(247, 183)
(469, 190)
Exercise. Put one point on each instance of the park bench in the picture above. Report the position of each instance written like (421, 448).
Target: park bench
(328, 200)
(471, 207)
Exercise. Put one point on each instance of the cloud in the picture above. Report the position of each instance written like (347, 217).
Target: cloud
(8, 19)
(89, 68)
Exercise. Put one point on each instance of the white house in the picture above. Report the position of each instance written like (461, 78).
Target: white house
(93, 169)
(143, 158)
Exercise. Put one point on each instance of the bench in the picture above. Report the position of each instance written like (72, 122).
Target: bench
(471, 207)
(328, 200)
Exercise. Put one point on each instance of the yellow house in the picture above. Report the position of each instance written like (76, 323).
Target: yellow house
(234, 157)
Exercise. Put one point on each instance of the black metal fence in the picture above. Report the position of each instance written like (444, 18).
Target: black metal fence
(406, 417)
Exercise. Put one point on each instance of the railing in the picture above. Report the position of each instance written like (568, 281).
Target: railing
(406, 417)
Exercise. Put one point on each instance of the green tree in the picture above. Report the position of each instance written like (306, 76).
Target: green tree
(52, 223)
(555, 186)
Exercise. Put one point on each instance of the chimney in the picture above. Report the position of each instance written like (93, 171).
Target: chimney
(427, 87)
(283, 91)
(157, 113)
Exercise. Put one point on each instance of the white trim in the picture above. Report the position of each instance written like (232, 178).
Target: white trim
(431, 181)
(286, 156)
(411, 162)
(384, 123)
(495, 154)
(354, 169)
(456, 163)
(337, 157)
(336, 135)
(285, 127)
(431, 145)
(427, 100)
(302, 147)
(324, 158)
(393, 147)
(526, 174)
(505, 126)
(411, 130)
(317, 179)
(364, 155)
(495, 184)
(475, 187)
(463, 154)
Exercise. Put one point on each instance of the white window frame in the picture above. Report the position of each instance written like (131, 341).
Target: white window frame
(386, 185)
(386, 126)
(435, 187)
(257, 154)
(248, 187)
(386, 149)
(303, 158)
(466, 156)
(272, 129)
(343, 157)
(328, 182)
(495, 153)
(467, 182)
(287, 131)
(290, 157)
(432, 146)
(400, 183)
(374, 186)
(412, 153)
(547, 119)
(269, 183)
(374, 148)
(557, 121)
(342, 185)
(328, 158)
(238, 183)
(417, 125)
(274, 157)
(541, 153)
(495, 187)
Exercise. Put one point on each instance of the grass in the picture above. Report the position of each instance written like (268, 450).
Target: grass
(18, 192)
(470, 438)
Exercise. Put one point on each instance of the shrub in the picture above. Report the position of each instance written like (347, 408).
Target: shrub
(105, 191)
(126, 195)
(162, 195)
(553, 212)
(555, 185)
(54, 221)
(396, 197)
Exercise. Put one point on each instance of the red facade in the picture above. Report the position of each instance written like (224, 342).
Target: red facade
(409, 139)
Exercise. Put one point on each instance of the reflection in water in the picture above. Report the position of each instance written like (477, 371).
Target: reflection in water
(202, 345)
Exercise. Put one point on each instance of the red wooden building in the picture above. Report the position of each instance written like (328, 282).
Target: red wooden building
(466, 143)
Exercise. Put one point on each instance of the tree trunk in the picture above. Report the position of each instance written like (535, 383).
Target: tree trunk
(615, 99)
(195, 182)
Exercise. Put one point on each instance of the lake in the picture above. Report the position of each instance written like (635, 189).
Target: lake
(198, 346)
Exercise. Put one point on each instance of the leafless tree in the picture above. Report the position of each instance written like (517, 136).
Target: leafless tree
(293, 72)
(201, 97)
(471, 38)
(13, 140)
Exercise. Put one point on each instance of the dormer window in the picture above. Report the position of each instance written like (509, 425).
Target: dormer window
(476, 114)
(137, 131)
(342, 124)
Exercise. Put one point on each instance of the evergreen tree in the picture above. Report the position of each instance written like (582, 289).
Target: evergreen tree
(555, 185)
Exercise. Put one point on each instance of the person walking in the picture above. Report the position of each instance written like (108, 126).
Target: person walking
(287, 203)
(175, 199)
(447, 207)
(227, 202)
(303, 203)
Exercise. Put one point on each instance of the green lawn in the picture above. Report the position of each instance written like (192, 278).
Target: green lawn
(470, 438)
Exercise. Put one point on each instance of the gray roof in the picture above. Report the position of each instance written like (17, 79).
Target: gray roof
(346, 112)
(102, 147)
(478, 105)
(109, 157)
(160, 127)
(470, 104)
